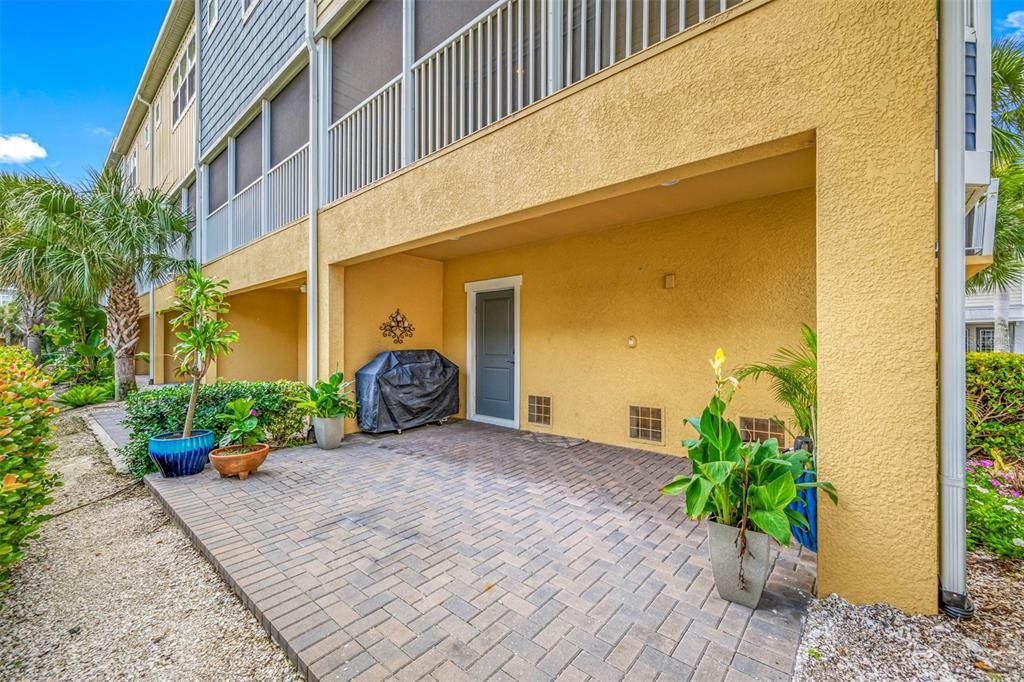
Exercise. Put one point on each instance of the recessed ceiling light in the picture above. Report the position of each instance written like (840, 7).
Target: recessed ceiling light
(670, 183)
(455, 238)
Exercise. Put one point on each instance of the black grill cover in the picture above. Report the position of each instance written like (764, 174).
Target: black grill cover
(401, 389)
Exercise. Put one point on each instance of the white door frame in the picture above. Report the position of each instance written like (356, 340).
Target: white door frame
(472, 289)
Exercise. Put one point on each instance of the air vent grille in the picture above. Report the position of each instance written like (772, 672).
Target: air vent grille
(539, 410)
(645, 423)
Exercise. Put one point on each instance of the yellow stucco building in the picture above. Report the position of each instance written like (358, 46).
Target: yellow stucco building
(670, 178)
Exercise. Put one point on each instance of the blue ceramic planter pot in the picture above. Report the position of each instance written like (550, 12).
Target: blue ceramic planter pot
(807, 504)
(176, 456)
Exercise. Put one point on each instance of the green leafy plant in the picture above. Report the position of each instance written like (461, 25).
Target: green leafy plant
(329, 399)
(745, 485)
(202, 331)
(87, 394)
(161, 410)
(793, 375)
(25, 443)
(995, 405)
(241, 423)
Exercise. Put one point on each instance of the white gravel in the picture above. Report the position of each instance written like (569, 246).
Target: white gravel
(113, 590)
(844, 642)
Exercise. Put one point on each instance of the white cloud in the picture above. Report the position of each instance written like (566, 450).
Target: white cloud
(1013, 23)
(20, 148)
(100, 131)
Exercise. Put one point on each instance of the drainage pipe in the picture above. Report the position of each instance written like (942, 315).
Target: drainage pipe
(314, 193)
(952, 372)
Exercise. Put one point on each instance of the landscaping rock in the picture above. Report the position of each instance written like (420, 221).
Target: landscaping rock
(875, 642)
(113, 590)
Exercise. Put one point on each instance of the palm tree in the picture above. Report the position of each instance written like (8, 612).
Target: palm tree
(793, 374)
(1007, 102)
(1007, 268)
(10, 327)
(104, 239)
(24, 257)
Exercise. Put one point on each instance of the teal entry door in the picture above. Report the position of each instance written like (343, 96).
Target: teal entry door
(495, 354)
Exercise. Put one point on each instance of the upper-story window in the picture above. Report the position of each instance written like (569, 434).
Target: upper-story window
(247, 6)
(131, 169)
(183, 83)
(156, 114)
(148, 131)
(212, 12)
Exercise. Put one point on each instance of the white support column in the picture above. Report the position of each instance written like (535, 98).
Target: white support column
(315, 152)
(408, 86)
(265, 168)
(203, 194)
(231, 193)
(554, 46)
(323, 48)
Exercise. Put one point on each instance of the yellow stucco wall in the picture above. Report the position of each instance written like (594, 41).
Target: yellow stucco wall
(267, 322)
(374, 290)
(142, 366)
(862, 79)
(744, 281)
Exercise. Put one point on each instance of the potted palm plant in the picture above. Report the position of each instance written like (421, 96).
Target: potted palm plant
(793, 376)
(329, 404)
(744, 490)
(202, 334)
(240, 452)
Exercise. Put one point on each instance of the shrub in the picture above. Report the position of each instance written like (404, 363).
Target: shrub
(995, 405)
(25, 441)
(162, 410)
(995, 507)
(87, 394)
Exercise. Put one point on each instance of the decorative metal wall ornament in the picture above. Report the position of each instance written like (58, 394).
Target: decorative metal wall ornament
(397, 327)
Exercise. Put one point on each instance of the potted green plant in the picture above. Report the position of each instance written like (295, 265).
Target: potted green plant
(240, 452)
(793, 376)
(744, 490)
(329, 404)
(202, 335)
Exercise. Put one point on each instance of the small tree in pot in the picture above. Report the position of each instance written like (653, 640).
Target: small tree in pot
(745, 490)
(329, 404)
(202, 336)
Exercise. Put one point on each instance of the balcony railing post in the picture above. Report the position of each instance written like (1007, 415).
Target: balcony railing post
(554, 47)
(408, 88)
(231, 193)
(265, 169)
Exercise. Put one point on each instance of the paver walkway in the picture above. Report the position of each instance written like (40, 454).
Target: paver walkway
(466, 552)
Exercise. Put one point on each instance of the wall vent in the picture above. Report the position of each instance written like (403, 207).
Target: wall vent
(758, 429)
(539, 410)
(645, 423)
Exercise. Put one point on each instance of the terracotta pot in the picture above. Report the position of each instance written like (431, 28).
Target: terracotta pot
(725, 564)
(239, 460)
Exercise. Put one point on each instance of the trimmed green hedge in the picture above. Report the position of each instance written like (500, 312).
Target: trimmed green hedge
(26, 439)
(995, 405)
(162, 410)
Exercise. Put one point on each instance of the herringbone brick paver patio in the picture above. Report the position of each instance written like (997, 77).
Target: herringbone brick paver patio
(465, 552)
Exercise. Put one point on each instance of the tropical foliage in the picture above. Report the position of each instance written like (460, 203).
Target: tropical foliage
(329, 399)
(995, 506)
(162, 410)
(1007, 101)
(241, 423)
(25, 442)
(995, 406)
(87, 394)
(746, 485)
(793, 375)
(202, 331)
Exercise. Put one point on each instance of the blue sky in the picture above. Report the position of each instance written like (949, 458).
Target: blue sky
(68, 69)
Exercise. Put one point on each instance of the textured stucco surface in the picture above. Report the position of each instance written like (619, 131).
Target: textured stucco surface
(271, 341)
(577, 313)
(860, 79)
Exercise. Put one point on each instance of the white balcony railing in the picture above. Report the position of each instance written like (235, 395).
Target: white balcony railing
(365, 144)
(288, 190)
(246, 218)
(218, 238)
(512, 55)
(980, 223)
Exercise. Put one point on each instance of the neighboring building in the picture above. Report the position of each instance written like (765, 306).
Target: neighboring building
(577, 202)
(981, 320)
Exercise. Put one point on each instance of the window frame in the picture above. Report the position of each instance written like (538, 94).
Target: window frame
(187, 62)
(156, 114)
(990, 332)
(247, 11)
(212, 8)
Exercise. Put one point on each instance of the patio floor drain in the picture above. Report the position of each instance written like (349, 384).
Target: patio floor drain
(551, 439)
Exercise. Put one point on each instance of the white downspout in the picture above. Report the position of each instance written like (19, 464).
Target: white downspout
(314, 193)
(199, 238)
(952, 368)
(152, 170)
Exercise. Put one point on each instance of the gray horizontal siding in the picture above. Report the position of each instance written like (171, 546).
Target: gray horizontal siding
(239, 59)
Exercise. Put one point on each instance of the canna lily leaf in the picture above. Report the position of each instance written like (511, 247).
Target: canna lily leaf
(677, 485)
(697, 493)
(716, 472)
(773, 522)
